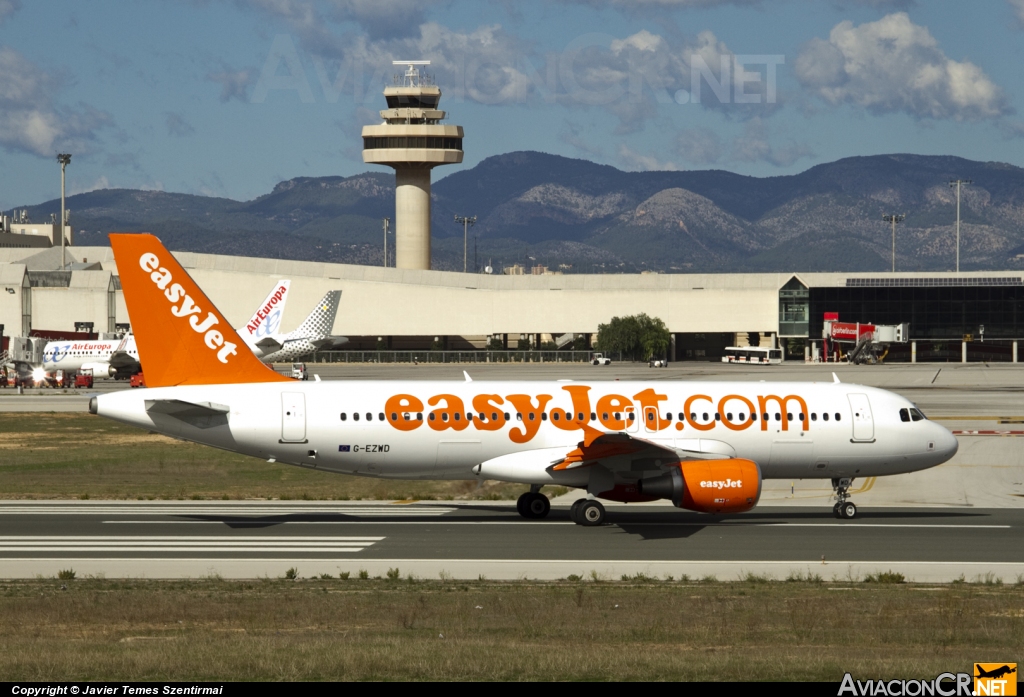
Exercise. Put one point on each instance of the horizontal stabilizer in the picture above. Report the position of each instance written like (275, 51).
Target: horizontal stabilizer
(269, 345)
(198, 414)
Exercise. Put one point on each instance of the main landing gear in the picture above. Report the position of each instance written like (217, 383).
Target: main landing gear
(587, 512)
(533, 505)
(844, 508)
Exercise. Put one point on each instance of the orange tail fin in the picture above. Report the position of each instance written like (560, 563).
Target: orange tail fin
(182, 338)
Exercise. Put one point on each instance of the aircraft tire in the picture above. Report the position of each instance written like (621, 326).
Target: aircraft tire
(835, 511)
(575, 509)
(538, 506)
(521, 504)
(849, 510)
(591, 513)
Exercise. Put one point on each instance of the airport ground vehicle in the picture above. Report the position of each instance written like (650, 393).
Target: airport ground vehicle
(657, 363)
(705, 446)
(757, 355)
(299, 371)
(138, 380)
(600, 359)
(84, 378)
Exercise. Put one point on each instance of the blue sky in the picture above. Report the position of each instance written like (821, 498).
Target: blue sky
(229, 97)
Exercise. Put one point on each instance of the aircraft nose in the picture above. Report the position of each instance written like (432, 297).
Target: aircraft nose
(946, 443)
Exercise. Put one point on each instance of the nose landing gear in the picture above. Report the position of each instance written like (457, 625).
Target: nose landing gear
(844, 508)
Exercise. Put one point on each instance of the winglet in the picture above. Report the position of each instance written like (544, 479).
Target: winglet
(182, 338)
(468, 379)
(835, 378)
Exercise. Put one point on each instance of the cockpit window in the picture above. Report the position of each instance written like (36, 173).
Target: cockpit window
(916, 415)
(904, 415)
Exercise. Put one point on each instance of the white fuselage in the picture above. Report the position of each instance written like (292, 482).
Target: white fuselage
(316, 424)
(72, 356)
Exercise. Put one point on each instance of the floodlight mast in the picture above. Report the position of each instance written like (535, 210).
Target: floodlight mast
(957, 183)
(64, 159)
(466, 223)
(894, 218)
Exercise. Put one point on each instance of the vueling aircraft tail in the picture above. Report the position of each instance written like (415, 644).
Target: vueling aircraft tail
(320, 322)
(182, 338)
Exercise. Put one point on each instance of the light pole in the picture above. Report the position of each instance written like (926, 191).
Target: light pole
(64, 159)
(466, 222)
(894, 218)
(387, 222)
(957, 183)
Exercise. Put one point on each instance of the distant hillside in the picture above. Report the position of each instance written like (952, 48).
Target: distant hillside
(538, 208)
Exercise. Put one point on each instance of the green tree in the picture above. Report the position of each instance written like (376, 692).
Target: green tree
(637, 337)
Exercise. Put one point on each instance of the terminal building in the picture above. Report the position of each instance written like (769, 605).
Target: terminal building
(415, 309)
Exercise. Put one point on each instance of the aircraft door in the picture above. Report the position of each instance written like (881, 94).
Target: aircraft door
(293, 417)
(632, 422)
(651, 419)
(863, 422)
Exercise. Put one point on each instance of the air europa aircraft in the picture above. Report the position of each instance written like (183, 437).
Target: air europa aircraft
(705, 446)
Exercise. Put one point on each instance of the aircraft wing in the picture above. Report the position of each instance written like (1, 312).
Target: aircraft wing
(617, 452)
(198, 414)
(122, 359)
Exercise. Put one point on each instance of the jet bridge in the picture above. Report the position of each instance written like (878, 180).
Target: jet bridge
(862, 343)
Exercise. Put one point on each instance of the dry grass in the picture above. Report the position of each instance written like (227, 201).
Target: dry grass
(61, 455)
(318, 629)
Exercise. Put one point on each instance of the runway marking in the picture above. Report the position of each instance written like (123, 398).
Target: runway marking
(566, 522)
(193, 511)
(178, 543)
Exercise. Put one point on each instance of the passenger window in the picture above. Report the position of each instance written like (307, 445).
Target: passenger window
(729, 416)
(432, 416)
(405, 415)
(494, 416)
(753, 417)
(532, 416)
(444, 416)
(801, 416)
(555, 417)
(344, 416)
(778, 416)
(650, 416)
(668, 416)
(632, 416)
(593, 416)
(355, 416)
(718, 417)
(369, 417)
(381, 415)
(814, 416)
(765, 417)
(693, 416)
(508, 417)
(824, 416)
(469, 416)
(618, 416)
(543, 416)
(789, 416)
(904, 415)
(838, 416)
(419, 416)
(705, 415)
(581, 416)
(394, 416)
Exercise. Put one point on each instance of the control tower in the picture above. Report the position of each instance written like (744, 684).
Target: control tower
(413, 141)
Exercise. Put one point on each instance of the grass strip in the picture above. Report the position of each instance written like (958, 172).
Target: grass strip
(409, 629)
(80, 456)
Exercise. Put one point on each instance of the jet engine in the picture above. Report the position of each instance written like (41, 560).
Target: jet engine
(100, 369)
(708, 486)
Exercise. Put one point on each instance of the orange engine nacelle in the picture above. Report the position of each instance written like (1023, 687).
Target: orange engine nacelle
(708, 486)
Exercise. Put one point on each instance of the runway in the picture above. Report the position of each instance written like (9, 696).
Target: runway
(468, 540)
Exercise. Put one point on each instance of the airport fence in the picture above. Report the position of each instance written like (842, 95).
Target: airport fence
(478, 356)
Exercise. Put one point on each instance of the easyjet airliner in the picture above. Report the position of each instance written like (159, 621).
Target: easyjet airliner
(706, 446)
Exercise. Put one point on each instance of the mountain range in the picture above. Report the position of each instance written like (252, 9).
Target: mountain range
(535, 208)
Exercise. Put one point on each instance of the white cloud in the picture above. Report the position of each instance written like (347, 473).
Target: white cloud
(29, 119)
(234, 84)
(8, 8)
(387, 18)
(754, 146)
(893, 65)
(178, 126)
(1018, 9)
(699, 145)
(633, 160)
(98, 183)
